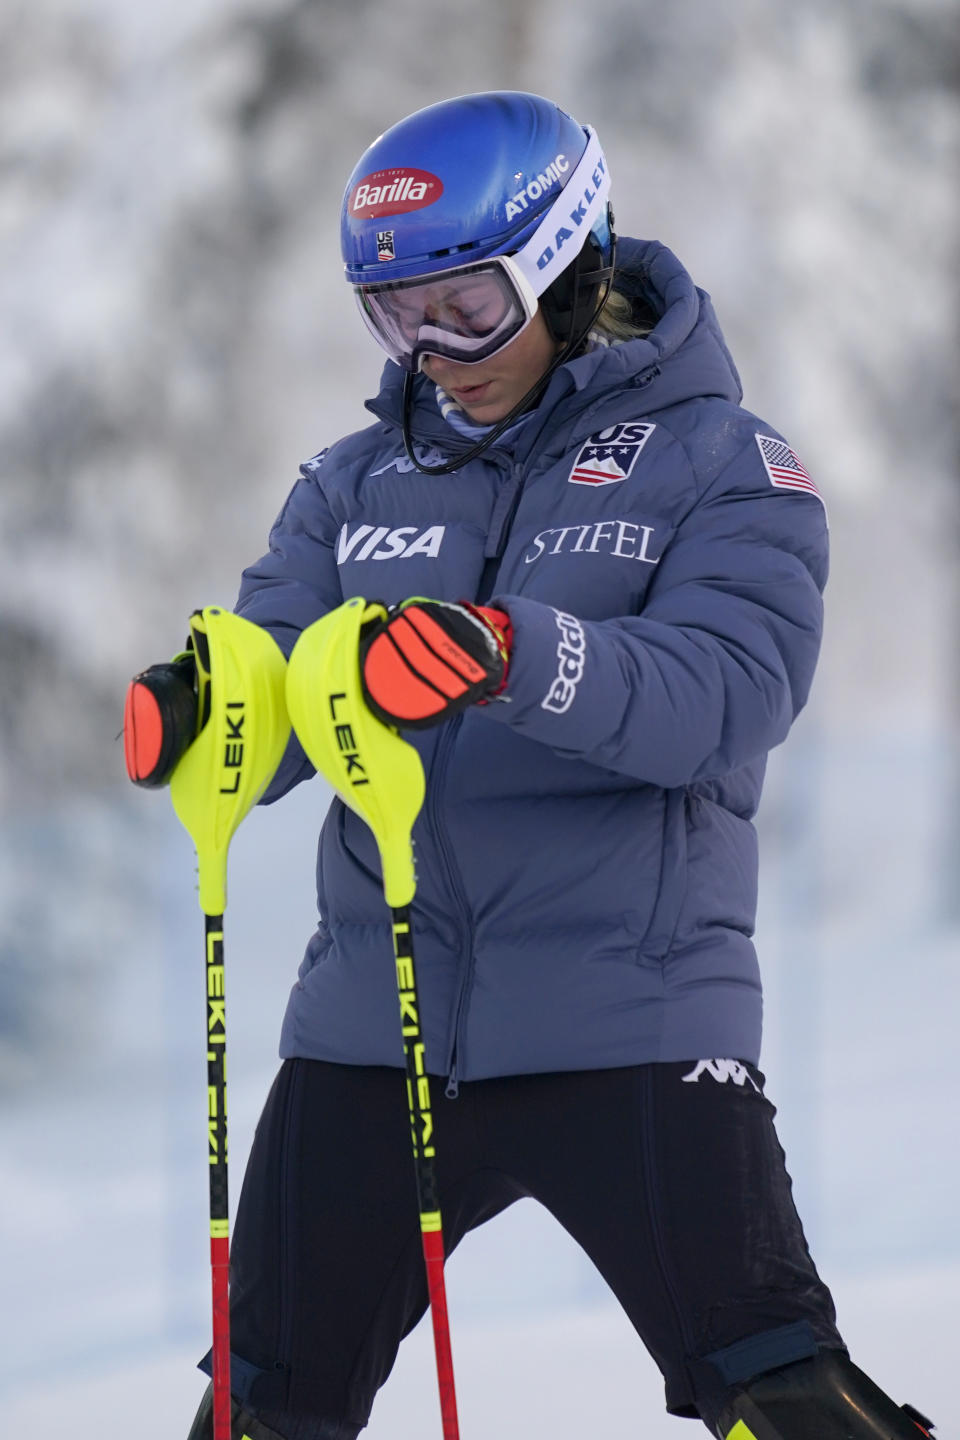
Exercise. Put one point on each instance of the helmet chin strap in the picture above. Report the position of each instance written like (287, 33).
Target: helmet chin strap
(526, 402)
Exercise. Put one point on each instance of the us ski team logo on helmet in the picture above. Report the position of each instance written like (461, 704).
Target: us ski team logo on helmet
(393, 192)
(385, 246)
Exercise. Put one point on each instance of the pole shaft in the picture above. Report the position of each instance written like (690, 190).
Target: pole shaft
(424, 1154)
(219, 1188)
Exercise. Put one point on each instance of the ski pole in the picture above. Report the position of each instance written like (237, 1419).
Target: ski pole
(243, 730)
(379, 776)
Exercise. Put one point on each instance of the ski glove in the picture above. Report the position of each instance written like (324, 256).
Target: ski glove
(427, 660)
(159, 719)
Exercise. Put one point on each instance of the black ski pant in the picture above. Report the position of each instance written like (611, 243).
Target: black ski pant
(670, 1176)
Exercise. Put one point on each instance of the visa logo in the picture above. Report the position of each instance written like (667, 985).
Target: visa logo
(379, 542)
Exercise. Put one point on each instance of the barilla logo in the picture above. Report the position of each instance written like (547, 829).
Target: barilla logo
(393, 192)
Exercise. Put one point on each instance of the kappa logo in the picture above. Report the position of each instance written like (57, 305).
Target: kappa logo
(379, 542)
(722, 1071)
(571, 657)
(609, 456)
(426, 455)
(311, 466)
(393, 192)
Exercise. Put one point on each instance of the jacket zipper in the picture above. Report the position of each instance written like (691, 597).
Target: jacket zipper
(504, 514)
(452, 874)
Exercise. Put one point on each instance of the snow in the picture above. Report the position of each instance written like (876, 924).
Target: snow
(103, 1209)
(565, 1373)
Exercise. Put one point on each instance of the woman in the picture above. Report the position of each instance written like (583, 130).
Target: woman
(624, 571)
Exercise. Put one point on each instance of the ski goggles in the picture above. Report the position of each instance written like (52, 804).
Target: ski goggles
(467, 314)
(470, 312)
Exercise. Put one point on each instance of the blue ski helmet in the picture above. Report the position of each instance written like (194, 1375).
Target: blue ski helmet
(497, 173)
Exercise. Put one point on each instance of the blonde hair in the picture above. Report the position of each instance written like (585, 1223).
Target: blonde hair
(617, 321)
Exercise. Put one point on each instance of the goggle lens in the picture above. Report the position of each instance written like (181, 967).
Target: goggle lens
(466, 315)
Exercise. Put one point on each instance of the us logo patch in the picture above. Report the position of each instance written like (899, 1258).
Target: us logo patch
(385, 246)
(608, 457)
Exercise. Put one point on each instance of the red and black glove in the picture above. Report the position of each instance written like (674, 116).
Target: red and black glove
(159, 720)
(430, 659)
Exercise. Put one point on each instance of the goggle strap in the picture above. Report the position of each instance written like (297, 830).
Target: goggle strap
(579, 205)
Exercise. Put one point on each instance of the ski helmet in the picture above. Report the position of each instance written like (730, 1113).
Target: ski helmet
(503, 186)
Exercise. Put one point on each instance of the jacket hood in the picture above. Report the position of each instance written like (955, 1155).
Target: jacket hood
(684, 357)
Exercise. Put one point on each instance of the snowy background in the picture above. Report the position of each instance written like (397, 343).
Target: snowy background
(174, 338)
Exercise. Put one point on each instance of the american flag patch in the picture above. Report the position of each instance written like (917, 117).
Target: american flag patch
(783, 467)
